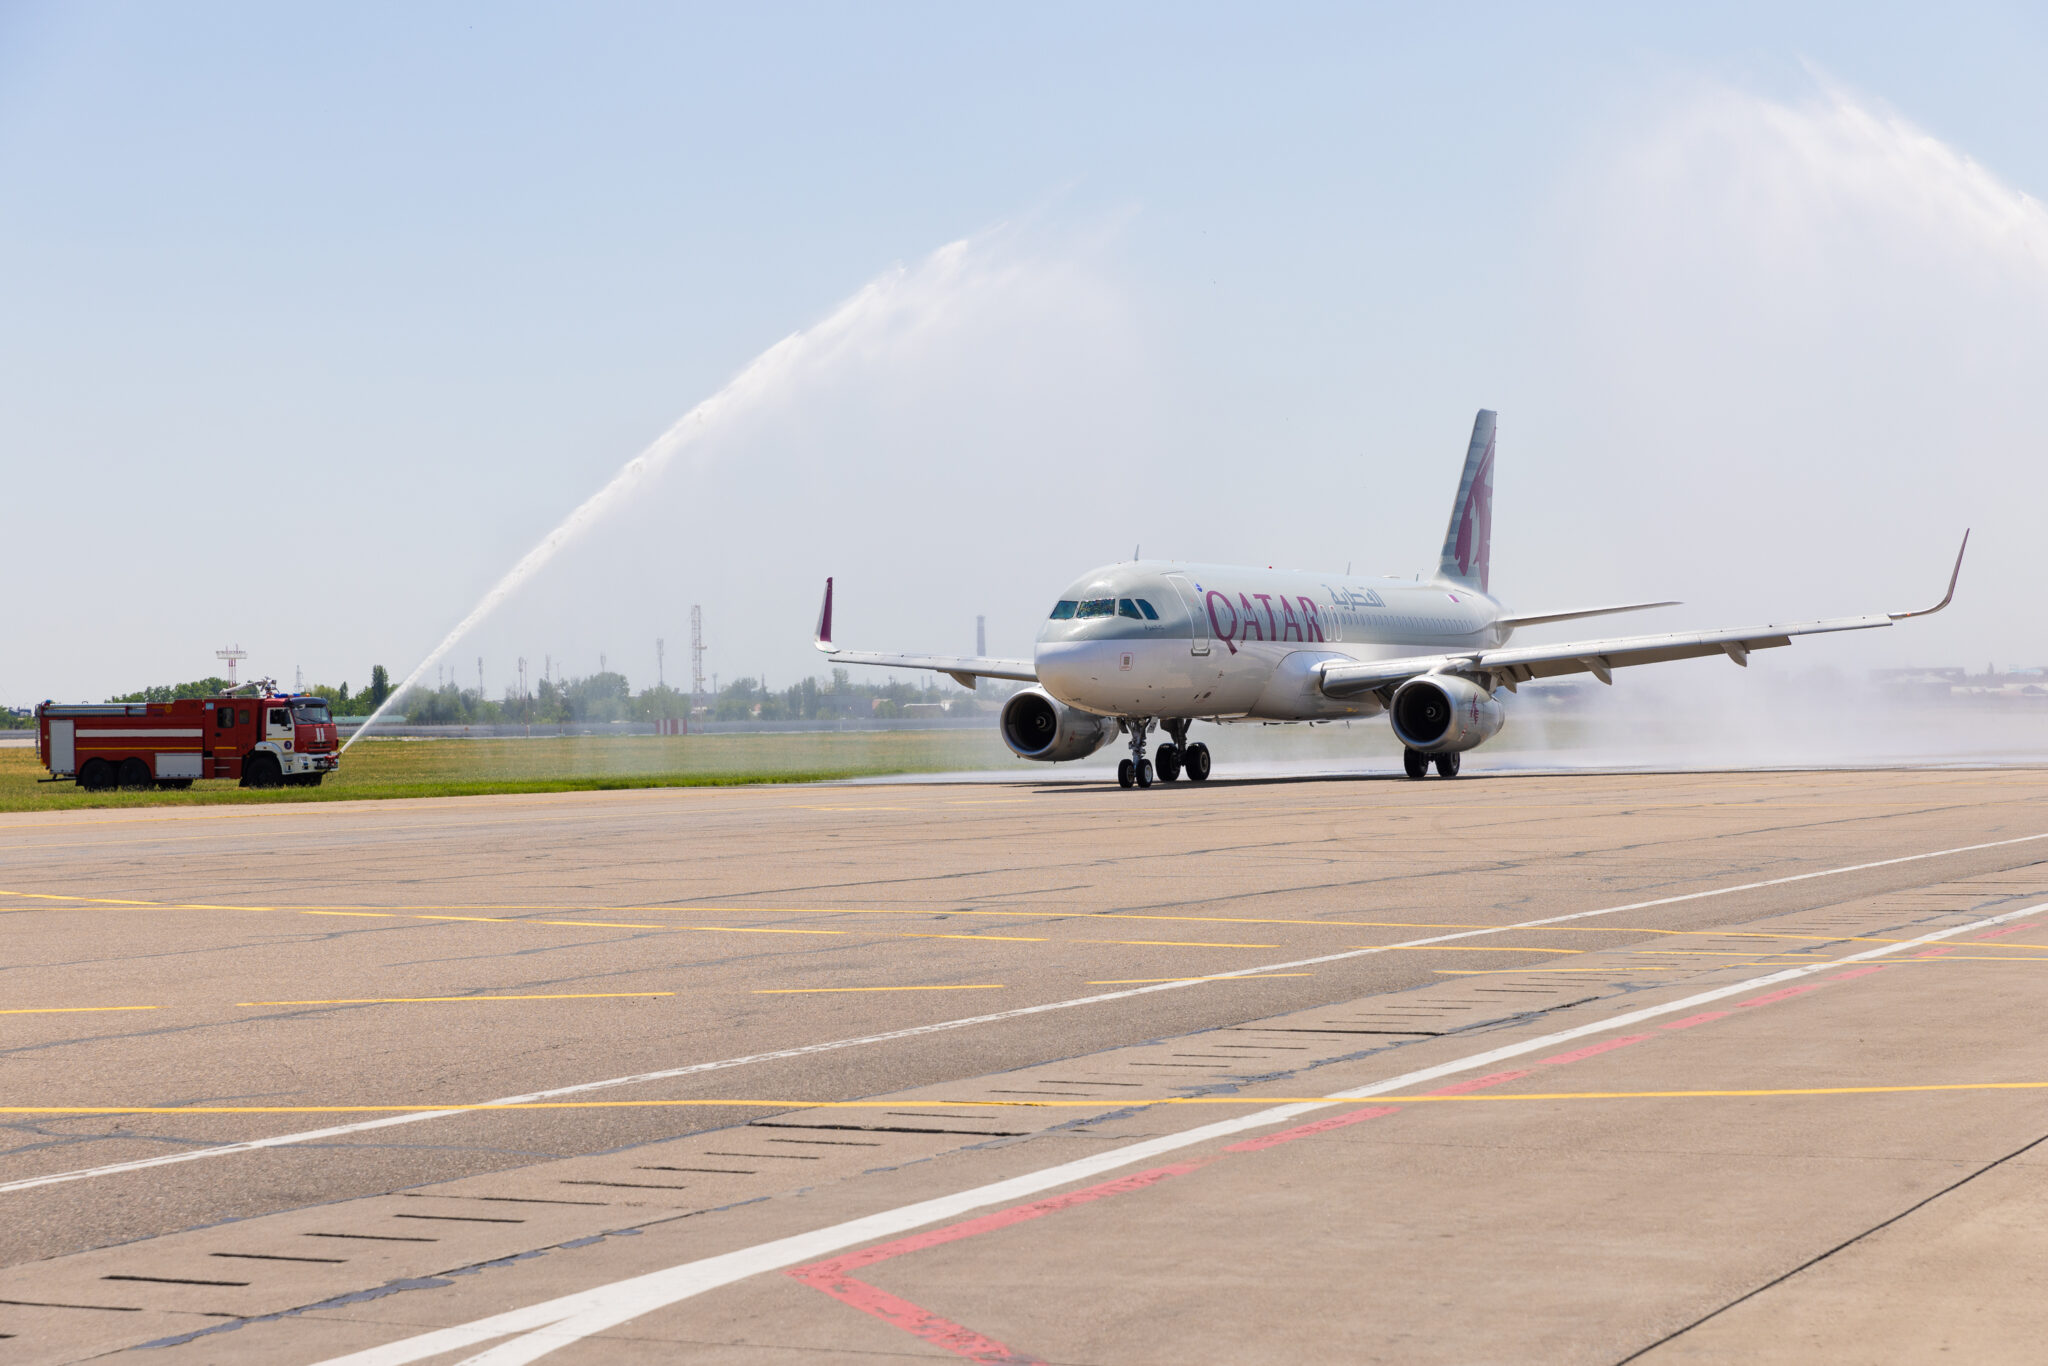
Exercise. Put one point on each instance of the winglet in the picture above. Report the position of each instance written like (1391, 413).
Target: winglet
(1947, 597)
(824, 639)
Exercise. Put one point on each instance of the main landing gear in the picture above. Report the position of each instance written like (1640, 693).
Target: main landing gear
(1174, 757)
(1417, 764)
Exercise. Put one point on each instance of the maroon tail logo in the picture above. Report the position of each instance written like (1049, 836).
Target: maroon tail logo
(1475, 523)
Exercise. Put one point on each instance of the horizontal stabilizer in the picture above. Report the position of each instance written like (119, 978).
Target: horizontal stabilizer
(1539, 618)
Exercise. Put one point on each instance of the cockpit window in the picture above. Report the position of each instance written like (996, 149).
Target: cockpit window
(1146, 608)
(1064, 609)
(1126, 608)
(1097, 607)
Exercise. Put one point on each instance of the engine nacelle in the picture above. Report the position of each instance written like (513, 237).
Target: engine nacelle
(1037, 726)
(1444, 714)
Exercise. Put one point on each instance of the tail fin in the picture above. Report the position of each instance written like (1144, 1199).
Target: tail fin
(1468, 541)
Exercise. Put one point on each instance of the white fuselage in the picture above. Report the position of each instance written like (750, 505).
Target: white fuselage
(1227, 642)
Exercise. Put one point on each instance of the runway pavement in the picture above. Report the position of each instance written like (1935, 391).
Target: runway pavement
(1583, 1068)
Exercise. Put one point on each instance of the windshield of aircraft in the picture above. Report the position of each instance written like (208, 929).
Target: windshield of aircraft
(313, 713)
(1137, 609)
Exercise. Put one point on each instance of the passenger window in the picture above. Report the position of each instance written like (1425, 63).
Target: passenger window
(243, 713)
(1064, 609)
(1126, 608)
(280, 717)
(223, 718)
(1146, 608)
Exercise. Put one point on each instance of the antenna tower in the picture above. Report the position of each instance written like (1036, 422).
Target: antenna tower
(660, 679)
(696, 654)
(234, 655)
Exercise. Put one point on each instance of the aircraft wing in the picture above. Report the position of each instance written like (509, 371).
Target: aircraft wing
(963, 668)
(1511, 666)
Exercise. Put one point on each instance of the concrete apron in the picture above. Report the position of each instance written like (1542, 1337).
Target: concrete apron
(1473, 1227)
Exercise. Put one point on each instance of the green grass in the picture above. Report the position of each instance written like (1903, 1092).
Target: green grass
(460, 768)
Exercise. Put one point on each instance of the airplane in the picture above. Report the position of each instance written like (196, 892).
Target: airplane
(1157, 644)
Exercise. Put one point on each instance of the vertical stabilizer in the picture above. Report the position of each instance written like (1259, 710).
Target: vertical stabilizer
(1468, 541)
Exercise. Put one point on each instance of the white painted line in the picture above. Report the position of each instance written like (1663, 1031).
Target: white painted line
(915, 1031)
(560, 1322)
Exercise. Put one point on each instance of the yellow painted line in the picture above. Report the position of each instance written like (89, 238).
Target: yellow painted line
(71, 1010)
(824, 991)
(1022, 913)
(1107, 1102)
(1161, 943)
(421, 912)
(1468, 948)
(427, 1000)
(1500, 972)
(1233, 977)
(94, 900)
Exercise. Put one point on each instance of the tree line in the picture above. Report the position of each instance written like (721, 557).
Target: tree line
(608, 696)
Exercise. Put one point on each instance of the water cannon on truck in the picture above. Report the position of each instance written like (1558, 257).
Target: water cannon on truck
(253, 734)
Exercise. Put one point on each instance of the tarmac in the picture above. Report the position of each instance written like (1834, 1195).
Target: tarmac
(1531, 1068)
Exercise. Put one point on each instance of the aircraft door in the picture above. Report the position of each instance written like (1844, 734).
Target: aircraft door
(1199, 643)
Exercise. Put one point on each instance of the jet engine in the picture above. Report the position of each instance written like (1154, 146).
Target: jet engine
(1444, 714)
(1035, 726)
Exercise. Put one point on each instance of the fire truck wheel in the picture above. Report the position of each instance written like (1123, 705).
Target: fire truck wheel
(135, 776)
(96, 776)
(262, 771)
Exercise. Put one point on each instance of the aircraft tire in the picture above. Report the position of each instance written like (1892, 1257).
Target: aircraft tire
(1447, 765)
(1126, 774)
(1144, 773)
(1195, 760)
(1415, 763)
(1167, 762)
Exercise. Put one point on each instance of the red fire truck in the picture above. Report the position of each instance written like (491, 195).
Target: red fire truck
(264, 739)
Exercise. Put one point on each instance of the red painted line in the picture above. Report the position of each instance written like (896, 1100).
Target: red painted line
(833, 1278)
(2009, 929)
(1857, 972)
(1594, 1050)
(919, 1322)
(1777, 996)
(1481, 1083)
(988, 1223)
(1252, 1145)
(1938, 952)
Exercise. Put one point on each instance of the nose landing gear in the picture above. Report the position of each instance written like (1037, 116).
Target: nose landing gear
(1135, 771)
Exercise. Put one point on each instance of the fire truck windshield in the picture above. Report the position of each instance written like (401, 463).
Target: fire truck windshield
(311, 713)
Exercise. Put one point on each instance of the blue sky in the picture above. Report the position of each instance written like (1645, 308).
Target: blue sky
(315, 320)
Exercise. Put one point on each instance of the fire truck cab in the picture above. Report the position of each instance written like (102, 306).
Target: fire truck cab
(263, 739)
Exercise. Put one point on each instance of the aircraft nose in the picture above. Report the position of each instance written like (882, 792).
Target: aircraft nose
(1071, 669)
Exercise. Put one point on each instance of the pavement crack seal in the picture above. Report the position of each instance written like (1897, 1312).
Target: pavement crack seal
(1845, 1244)
(1019, 1012)
(536, 1330)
